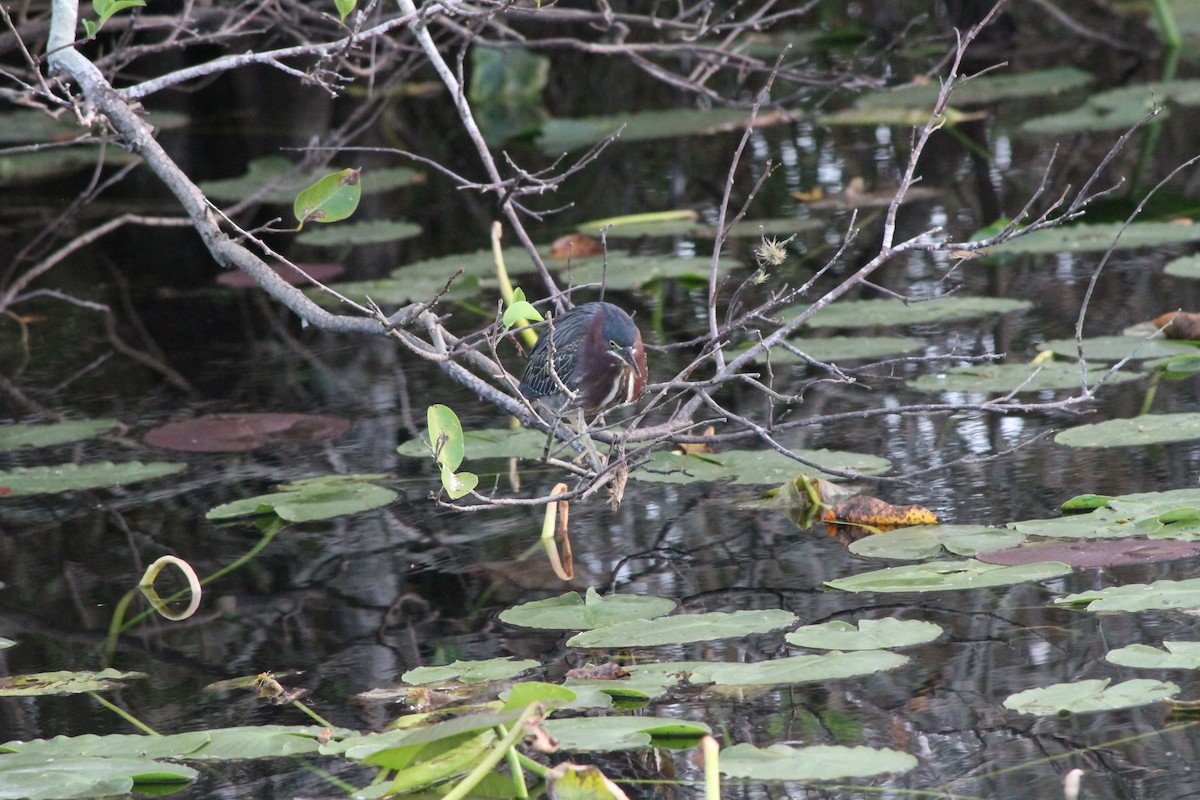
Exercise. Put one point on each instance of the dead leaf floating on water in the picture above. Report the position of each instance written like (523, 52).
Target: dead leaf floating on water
(871, 512)
(1179, 324)
(607, 671)
(575, 245)
(230, 433)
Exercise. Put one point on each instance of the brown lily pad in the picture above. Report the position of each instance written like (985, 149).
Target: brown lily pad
(1094, 552)
(230, 433)
(236, 279)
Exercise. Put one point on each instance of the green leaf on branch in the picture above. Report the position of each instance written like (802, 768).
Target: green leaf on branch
(520, 310)
(446, 442)
(105, 9)
(344, 7)
(331, 199)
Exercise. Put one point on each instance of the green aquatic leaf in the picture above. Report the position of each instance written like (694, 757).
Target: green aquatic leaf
(90, 745)
(928, 541)
(1099, 237)
(13, 437)
(269, 169)
(938, 576)
(506, 92)
(1176, 655)
(312, 499)
(887, 312)
(593, 734)
(868, 634)
(563, 135)
(796, 669)
(34, 777)
(682, 628)
(839, 349)
(64, 682)
(77, 477)
(1155, 596)
(333, 198)
(571, 612)
(1134, 432)
(990, 88)
(1184, 267)
(491, 669)
(754, 467)
(1115, 348)
(1081, 697)
(781, 762)
(359, 233)
(1005, 378)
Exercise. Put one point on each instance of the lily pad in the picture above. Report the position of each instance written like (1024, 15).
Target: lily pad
(571, 612)
(796, 669)
(1134, 432)
(781, 762)
(928, 541)
(1156, 596)
(991, 88)
(1115, 348)
(271, 168)
(755, 467)
(937, 576)
(312, 499)
(231, 433)
(1185, 267)
(64, 682)
(623, 733)
(1176, 655)
(1099, 237)
(1096, 553)
(492, 669)
(14, 437)
(868, 634)
(563, 135)
(34, 777)
(1004, 378)
(1081, 697)
(76, 477)
(1118, 108)
(89, 745)
(352, 234)
(887, 312)
(682, 628)
(839, 349)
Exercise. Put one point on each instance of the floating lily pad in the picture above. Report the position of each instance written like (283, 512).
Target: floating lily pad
(1103, 523)
(682, 628)
(312, 499)
(6, 643)
(563, 135)
(1097, 553)
(230, 433)
(1155, 596)
(571, 612)
(868, 634)
(1088, 118)
(796, 669)
(662, 223)
(906, 117)
(1185, 267)
(492, 669)
(488, 443)
(271, 168)
(1004, 378)
(781, 762)
(623, 733)
(886, 312)
(754, 467)
(29, 168)
(928, 541)
(89, 745)
(1133, 432)
(1176, 655)
(1115, 348)
(1098, 238)
(77, 477)
(1081, 697)
(1119, 108)
(351, 234)
(13, 437)
(989, 88)
(937, 576)
(64, 682)
(839, 349)
(37, 126)
(35, 777)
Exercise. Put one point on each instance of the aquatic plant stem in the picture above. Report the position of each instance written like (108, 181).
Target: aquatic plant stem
(712, 768)
(514, 767)
(319, 719)
(498, 751)
(125, 715)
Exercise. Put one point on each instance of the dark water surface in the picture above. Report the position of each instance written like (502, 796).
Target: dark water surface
(351, 604)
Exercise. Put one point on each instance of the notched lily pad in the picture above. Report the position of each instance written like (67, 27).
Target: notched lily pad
(64, 682)
(623, 733)
(1115, 348)
(1157, 596)
(756, 467)
(351, 234)
(1133, 432)
(1004, 378)
(989, 88)
(492, 669)
(563, 135)
(1081, 697)
(14, 437)
(1094, 553)
(312, 499)
(231, 433)
(868, 634)
(34, 777)
(266, 170)
(936, 576)
(683, 628)
(928, 541)
(886, 312)
(839, 349)
(1175, 655)
(1098, 238)
(781, 762)
(571, 612)
(77, 477)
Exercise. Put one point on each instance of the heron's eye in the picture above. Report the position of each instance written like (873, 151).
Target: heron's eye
(613, 344)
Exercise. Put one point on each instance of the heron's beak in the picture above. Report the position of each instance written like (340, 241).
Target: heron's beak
(626, 355)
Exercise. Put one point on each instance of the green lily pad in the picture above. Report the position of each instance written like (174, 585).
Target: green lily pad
(492, 669)
(14, 437)
(1081, 697)
(754, 467)
(1103, 523)
(937, 576)
(906, 117)
(839, 349)
(1004, 378)
(563, 135)
(795, 669)
(1176, 655)
(35, 777)
(77, 477)
(89, 745)
(312, 499)
(1115, 348)
(1185, 267)
(928, 541)
(352, 234)
(1156, 596)
(623, 733)
(868, 634)
(1099, 237)
(1133, 432)
(683, 628)
(6, 643)
(266, 170)
(781, 762)
(886, 312)
(64, 682)
(1119, 108)
(990, 88)
(571, 612)
(488, 443)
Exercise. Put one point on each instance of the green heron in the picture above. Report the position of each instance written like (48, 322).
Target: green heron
(597, 354)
